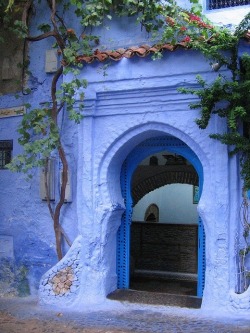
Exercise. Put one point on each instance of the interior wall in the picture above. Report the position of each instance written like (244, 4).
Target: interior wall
(175, 203)
(164, 247)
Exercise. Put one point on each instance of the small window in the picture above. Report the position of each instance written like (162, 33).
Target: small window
(6, 147)
(218, 4)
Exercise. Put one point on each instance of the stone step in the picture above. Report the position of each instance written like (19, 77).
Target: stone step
(154, 298)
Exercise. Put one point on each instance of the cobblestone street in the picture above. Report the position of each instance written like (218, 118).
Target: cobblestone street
(25, 315)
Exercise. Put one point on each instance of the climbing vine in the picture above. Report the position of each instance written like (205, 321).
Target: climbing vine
(165, 22)
(229, 98)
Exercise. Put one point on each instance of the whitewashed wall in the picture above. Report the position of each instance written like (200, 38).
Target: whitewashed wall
(175, 203)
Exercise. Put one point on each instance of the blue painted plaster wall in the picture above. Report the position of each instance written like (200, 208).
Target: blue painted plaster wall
(135, 101)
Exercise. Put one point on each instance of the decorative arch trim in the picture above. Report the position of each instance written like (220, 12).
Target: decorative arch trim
(111, 161)
(147, 178)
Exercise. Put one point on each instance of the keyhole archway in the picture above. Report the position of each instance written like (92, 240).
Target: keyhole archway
(143, 150)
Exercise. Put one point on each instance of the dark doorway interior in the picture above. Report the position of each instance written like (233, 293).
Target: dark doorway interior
(141, 174)
(163, 255)
(163, 258)
(169, 286)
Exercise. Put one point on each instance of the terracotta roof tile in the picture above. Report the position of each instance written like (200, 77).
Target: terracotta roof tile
(141, 51)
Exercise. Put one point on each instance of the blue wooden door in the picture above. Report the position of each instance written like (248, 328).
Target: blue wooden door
(143, 150)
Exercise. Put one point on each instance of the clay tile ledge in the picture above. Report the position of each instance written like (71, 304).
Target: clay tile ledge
(141, 51)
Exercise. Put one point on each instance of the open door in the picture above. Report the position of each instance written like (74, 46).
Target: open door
(150, 147)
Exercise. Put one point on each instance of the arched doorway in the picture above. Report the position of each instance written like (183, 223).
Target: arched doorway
(152, 213)
(143, 150)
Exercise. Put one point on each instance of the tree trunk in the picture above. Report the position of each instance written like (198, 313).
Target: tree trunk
(56, 219)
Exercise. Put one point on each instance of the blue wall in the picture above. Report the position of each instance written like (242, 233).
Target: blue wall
(137, 100)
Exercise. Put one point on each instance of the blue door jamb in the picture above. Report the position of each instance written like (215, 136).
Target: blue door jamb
(140, 152)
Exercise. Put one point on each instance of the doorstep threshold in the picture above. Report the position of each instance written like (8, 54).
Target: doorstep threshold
(165, 275)
(155, 298)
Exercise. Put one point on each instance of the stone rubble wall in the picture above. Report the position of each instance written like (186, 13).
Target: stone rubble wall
(63, 280)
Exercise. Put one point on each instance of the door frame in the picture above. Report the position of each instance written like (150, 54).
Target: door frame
(140, 152)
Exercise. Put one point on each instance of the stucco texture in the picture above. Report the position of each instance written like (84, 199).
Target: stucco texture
(135, 100)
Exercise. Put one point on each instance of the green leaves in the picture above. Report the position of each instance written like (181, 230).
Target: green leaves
(238, 112)
(68, 97)
(39, 136)
(229, 98)
(92, 12)
(44, 27)
(243, 27)
(20, 29)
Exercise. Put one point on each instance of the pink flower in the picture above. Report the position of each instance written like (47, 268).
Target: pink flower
(193, 17)
(204, 25)
(71, 31)
(183, 28)
(187, 39)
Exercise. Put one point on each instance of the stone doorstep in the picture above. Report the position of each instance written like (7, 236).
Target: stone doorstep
(154, 298)
(163, 275)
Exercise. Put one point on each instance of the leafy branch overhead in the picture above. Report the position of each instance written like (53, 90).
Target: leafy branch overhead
(229, 97)
(166, 21)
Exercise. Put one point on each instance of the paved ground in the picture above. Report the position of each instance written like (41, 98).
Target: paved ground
(25, 315)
